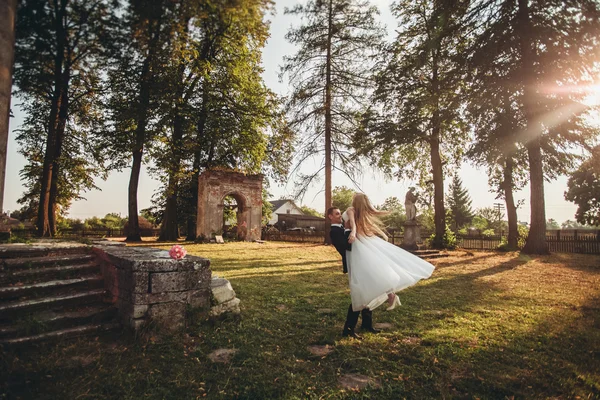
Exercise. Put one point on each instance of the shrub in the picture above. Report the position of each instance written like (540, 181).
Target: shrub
(523, 232)
(488, 232)
(522, 237)
(448, 241)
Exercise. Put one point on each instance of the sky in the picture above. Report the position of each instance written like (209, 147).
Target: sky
(113, 194)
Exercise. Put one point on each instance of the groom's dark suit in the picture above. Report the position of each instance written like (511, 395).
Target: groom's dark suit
(339, 238)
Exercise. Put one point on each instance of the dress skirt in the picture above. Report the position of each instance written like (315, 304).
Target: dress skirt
(377, 268)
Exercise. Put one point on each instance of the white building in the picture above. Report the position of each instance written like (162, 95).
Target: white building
(283, 206)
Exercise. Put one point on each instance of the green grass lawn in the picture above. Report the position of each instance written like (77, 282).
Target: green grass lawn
(485, 325)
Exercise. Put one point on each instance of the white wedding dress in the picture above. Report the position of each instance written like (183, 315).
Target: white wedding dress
(377, 268)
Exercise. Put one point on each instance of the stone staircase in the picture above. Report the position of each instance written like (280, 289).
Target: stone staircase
(429, 254)
(50, 292)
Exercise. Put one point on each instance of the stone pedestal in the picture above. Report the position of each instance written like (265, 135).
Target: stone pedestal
(147, 284)
(412, 235)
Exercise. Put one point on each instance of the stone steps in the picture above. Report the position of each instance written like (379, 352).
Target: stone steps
(19, 251)
(44, 261)
(9, 310)
(432, 256)
(51, 290)
(62, 334)
(54, 286)
(47, 321)
(424, 252)
(38, 274)
(429, 254)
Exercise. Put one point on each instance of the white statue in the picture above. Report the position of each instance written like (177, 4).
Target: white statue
(410, 205)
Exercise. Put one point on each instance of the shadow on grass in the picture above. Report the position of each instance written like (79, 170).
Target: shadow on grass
(457, 335)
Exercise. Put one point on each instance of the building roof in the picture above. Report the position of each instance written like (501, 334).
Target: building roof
(278, 203)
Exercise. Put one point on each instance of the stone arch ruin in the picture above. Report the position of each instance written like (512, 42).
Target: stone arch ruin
(213, 187)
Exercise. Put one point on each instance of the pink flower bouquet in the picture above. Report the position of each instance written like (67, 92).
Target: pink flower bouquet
(177, 252)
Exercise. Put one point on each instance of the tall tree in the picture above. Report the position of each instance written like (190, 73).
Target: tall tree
(329, 75)
(415, 125)
(550, 49)
(183, 77)
(134, 98)
(60, 50)
(493, 111)
(459, 203)
(238, 122)
(8, 11)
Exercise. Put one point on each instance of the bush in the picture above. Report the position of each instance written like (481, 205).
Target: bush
(523, 232)
(522, 237)
(448, 241)
(503, 246)
(488, 232)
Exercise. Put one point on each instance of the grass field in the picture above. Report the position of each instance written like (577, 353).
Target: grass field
(485, 325)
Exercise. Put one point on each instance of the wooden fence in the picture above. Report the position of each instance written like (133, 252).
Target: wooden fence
(478, 242)
(294, 236)
(585, 245)
(84, 233)
(573, 241)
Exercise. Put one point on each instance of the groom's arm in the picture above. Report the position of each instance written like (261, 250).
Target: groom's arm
(348, 244)
(339, 240)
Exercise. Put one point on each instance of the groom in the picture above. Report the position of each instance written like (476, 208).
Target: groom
(339, 238)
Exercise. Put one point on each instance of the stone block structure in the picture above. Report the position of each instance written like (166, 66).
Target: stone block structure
(147, 284)
(213, 187)
(223, 298)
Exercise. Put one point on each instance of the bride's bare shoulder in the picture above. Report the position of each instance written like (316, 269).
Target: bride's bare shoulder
(350, 209)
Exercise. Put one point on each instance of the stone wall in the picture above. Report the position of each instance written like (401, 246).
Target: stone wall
(147, 284)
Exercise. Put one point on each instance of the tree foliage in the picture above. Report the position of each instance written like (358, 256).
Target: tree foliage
(342, 197)
(583, 189)
(61, 49)
(396, 215)
(415, 125)
(529, 57)
(459, 203)
(310, 211)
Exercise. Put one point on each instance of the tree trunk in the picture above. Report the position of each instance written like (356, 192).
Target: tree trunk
(63, 114)
(193, 206)
(328, 123)
(536, 240)
(511, 209)
(207, 53)
(8, 11)
(44, 211)
(170, 225)
(134, 233)
(436, 164)
(438, 193)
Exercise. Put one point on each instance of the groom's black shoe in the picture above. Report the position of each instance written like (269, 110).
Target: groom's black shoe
(349, 332)
(367, 322)
(351, 320)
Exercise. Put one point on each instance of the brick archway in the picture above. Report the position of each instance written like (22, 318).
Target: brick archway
(213, 187)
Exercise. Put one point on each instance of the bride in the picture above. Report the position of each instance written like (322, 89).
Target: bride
(377, 269)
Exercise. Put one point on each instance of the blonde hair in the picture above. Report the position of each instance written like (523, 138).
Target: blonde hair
(366, 217)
